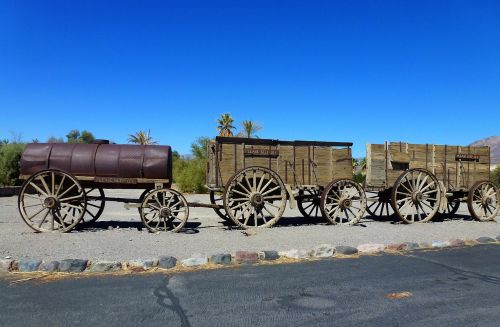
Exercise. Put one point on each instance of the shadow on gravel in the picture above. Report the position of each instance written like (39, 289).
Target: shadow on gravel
(190, 228)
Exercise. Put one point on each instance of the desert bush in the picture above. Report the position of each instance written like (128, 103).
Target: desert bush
(189, 171)
(10, 156)
(495, 176)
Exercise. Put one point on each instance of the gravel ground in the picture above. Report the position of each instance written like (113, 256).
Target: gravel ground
(206, 234)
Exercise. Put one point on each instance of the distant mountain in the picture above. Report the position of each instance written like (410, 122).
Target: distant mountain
(494, 143)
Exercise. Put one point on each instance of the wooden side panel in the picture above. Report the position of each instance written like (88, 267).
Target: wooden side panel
(323, 165)
(341, 164)
(375, 165)
(285, 163)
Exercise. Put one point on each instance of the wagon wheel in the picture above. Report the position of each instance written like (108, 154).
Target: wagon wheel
(164, 210)
(379, 204)
(218, 199)
(483, 201)
(52, 200)
(343, 202)
(416, 196)
(95, 205)
(141, 198)
(451, 207)
(255, 197)
(308, 203)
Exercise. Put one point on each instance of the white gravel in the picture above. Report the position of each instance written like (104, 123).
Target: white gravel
(207, 235)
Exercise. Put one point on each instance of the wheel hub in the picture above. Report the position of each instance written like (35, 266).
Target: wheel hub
(165, 212)
(487, 201)
(417, 197)
(257, 199)
(50, 202)
(346, 203)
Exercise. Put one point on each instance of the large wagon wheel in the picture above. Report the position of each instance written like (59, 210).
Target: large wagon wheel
(218, 199)
(95, 205)
(378, 204)
(52, 200)
(451, 207)
(343, 202)
(308, 203)
(483, 201)
(164, 210)
(416, 196)
(255, 197)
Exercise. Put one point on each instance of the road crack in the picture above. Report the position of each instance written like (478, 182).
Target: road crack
(164, 293)
(462, 272)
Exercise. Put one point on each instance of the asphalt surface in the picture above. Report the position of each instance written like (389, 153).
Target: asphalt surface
(454, 287)
(119, 234)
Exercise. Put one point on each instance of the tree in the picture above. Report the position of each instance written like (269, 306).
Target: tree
(54, 139)
(142, 138)
(75, 136)
(250, 128)
(86, 137)
(225, 126)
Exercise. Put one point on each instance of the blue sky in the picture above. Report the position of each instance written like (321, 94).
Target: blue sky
(360, 71)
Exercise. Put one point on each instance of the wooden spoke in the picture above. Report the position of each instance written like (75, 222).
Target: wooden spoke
(167, 207)
(95, 205)
(415, 196)
(254, 197)
(379, 204)
(343, 202)
(308, 203)
(483, 201)
(451, 207)
(48, 193)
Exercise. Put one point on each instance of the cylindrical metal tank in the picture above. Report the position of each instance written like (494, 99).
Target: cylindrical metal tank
(126, 161)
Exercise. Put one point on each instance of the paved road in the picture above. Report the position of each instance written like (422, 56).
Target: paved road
(206, 234)
(455, 287)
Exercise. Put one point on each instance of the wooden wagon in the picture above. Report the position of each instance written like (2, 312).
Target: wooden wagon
(416, 181)
(64, 184)
(251, 180)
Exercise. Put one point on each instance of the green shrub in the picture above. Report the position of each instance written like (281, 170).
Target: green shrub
(10, 156)
(495, 176)
(189, 171)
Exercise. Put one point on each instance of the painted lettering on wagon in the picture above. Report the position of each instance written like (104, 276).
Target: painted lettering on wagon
(116, 180)
(467, 157)
(266, 153)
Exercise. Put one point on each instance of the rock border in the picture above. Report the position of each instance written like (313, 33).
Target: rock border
(322, 251)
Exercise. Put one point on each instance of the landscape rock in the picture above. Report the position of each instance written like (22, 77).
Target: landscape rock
(396, 247)
(50, 266)
(73, 265)
(371, 248)
(485, 239)
(296, 254)
(498, 238)
(457, 242)
(425, 245)
(6, 265)
(346, 250)
(221, 258)
(196, 260)
(471, 242)
(440, 244)
(269, 255)
(29, 265)
(104, 266)
(141, 265)
(409, 246)
(167, 262)
(323, 251)
(246, 257)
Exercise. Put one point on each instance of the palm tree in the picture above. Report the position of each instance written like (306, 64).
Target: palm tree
(142, 138)
(225, 125)
(250, 128)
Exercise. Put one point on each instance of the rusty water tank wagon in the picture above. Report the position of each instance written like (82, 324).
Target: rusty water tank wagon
(115, 165)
